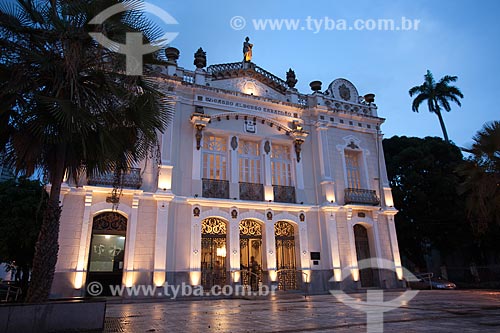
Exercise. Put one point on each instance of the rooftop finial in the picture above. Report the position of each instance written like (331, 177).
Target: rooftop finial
(200, 58)
(247, 50)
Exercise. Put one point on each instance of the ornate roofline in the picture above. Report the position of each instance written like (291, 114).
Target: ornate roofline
(240, 69)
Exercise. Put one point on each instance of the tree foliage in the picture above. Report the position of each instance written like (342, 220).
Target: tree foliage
(67, 104)
(481, 183)
(424, 185)
(22, 201)
(437, 95)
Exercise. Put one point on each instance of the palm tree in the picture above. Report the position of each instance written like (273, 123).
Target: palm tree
(67, 106)
(438, 96)
(481, 182)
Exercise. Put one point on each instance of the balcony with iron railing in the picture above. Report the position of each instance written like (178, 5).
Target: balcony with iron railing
(284, 194)
(215, 188)
(131, 178)
(361, 197)
(251, 191)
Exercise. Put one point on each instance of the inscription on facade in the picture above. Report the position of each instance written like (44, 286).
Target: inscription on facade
(245, 106)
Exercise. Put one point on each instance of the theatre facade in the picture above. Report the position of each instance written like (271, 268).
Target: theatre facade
(255, 182)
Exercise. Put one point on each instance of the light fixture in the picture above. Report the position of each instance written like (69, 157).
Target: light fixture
(221, 252)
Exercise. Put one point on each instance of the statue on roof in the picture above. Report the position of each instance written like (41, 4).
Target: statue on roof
(247, 50)
(291, 79)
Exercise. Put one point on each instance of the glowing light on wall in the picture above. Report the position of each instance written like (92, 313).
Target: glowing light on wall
(273, 275)
(221, 252)
(306, 275)
(399, 272)
(129, 279)
(78, 283)
(159, 278)
(355, 274)
(236, 277)
(337, 274)
(250, 88)
(195, 278)
(388, 197)
(268, 193)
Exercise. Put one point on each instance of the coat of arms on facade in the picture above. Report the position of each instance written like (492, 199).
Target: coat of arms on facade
(249, 126)
(344, 92)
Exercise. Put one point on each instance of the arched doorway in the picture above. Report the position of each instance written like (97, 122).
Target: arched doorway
(213, 252)
(363, 252)
(251, 252)
(107, 250)
(285, 255)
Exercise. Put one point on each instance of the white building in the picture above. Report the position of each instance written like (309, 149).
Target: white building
(249, 167)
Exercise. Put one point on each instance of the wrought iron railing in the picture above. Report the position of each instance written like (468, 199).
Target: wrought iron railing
(361, 196)
(251, 191)
(284, 193)
(130, 178)
(188, 77)
(215, 188)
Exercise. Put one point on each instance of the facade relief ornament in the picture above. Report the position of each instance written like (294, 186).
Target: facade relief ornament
(302, 217)
(196, 212)
(234, 142)
(267, 147)
(345, 93)
(342, 89)
(199, 121)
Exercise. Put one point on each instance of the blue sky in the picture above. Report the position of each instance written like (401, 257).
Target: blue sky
(454, 37)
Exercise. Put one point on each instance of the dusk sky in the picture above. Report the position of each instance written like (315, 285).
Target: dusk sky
(453, 38)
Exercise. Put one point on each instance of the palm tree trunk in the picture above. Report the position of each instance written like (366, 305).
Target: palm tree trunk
(443, 127)
(47, 245)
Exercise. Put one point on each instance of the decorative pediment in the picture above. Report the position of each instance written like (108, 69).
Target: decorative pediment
(343, 90)
(247, 70)
(350, 142)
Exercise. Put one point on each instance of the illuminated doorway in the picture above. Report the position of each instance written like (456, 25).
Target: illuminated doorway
(213, 252)
(107, 250)
(251, 253)
(285, 256)
(363, 252)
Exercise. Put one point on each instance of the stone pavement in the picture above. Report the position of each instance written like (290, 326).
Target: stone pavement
(429, 311)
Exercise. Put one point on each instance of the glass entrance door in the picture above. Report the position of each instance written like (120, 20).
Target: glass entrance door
(213, 253)
(107, 250)
(285, 256)
(251, 253)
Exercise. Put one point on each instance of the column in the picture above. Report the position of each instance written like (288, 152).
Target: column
(394, 246)
(268, 173)
(234, 177)
(331, 219)
(195, 262)
(160, 254)
(81, 264)
(233, 249)
(128, 272)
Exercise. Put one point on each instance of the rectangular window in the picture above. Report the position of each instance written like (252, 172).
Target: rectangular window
(281, 165)
(214, 158)
(352, 168)
(249, 162)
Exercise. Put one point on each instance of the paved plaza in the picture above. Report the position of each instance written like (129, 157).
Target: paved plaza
(429, 311)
